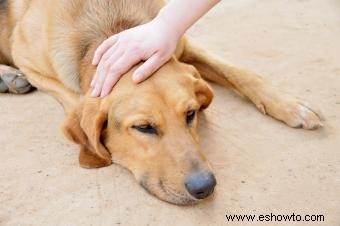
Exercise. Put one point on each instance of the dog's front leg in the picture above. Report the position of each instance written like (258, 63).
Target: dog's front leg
(293, 111)
(64, 95)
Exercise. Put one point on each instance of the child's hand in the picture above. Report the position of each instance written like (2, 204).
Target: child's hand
(153, 43)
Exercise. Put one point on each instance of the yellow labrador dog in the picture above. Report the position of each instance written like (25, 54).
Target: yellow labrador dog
(149, 128)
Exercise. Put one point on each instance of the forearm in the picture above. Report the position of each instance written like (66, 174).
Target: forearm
(180, 15)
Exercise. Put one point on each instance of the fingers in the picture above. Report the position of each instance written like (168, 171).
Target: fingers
(109, 58)
(103, 48)
(103, 71)
(116, 71)
(99, 80)
(109, 72)
(148, 68)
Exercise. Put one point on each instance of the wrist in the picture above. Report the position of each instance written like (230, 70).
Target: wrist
(168, 25)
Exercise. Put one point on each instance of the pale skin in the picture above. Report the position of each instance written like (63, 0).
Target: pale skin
(152, 43)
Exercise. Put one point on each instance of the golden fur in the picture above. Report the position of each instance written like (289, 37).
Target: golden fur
(52, 42)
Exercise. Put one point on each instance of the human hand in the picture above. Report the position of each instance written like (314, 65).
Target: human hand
(153, 43)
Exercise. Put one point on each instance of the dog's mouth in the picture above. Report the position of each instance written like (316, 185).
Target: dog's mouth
(166, 191)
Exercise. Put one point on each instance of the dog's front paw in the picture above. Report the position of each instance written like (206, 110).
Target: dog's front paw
(301, 115)
(294, 112)
(13, 81)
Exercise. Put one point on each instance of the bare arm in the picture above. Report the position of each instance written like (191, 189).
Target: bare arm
(154, 43)
(181, 15)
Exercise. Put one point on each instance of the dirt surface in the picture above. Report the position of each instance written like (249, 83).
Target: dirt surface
(261, 165)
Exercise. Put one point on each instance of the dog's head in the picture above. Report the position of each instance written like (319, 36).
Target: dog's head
(150, 129)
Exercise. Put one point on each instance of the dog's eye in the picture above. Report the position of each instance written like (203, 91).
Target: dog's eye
(149, 129)
(190, 116)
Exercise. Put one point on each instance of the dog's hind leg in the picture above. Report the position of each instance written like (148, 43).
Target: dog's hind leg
(13, 81)
(293, 111)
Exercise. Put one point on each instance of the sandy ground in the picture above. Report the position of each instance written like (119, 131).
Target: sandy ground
(262, 166)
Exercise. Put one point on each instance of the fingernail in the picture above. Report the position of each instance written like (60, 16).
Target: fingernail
(138, 77)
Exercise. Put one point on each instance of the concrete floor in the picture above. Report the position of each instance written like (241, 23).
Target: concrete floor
(262, 166)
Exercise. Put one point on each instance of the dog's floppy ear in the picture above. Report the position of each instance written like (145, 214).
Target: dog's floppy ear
(204, 93)
(84, 126)
(202, 88)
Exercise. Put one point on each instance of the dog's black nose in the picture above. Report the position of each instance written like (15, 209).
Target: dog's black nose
(200, 184)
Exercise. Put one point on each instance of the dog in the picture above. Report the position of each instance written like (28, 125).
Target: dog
(149, 128)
